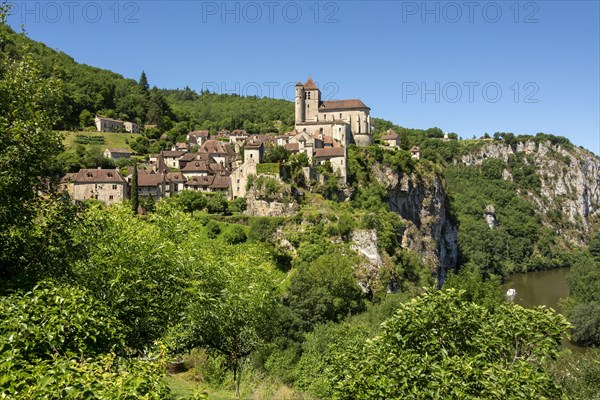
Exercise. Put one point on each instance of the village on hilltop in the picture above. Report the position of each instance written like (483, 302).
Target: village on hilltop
(225, 162)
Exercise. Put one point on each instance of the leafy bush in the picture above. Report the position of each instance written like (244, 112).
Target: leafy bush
(262, 229)
(213, 229)
(441, 346)
(234, 234)
(59, 342)
(324, 291)
(238, 205)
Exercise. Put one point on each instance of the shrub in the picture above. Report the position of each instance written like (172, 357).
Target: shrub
(213, 229)
(234, 234)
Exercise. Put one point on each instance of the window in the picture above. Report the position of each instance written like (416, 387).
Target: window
(340, 115)
(308, 95)
(114, 187)
(110, 197)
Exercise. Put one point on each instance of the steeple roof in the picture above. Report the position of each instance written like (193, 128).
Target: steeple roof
(310, 85)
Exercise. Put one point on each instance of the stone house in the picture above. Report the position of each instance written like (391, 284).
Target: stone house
(254, 151)
(106, 185)
(117, 153)
(131, 127)
(208, 183)
(391, 138)
(105, 124)
(239, 179)
(336, 157)
(180, 146)
(152, 184)
(176, 183)
(220, 152)
(197, 137)
(415, 152)
(196, 168)
(171, 158)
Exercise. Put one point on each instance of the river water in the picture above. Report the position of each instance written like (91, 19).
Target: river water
(544, 288)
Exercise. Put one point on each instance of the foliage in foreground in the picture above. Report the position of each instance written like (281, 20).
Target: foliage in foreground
(59, 342)
(440, 346)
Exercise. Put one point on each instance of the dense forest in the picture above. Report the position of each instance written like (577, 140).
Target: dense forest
(97, 301)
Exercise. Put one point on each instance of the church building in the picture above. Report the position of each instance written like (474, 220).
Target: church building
(346, 121)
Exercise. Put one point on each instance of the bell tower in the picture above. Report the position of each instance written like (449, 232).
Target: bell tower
(300, 116)
(312, 100)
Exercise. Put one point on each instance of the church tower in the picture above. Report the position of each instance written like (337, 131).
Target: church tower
(300, 116)
(312, 101)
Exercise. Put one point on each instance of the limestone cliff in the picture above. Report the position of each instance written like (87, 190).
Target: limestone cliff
(569, 178)
(429, 230)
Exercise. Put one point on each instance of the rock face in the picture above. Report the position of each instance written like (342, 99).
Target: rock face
(490, 216)
(422, 204)
(264, 208)
(365, 242)
(276, 205)
(570, 180)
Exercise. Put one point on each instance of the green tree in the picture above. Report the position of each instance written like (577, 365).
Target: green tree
(86, 119)
(60, 342)
(276, 154)
(235, 317)
(594, 246)
(135, 198)
(324, 291)
(31, 224)
(216, 204)
(143, 83)
(190, 201)
(441, 346)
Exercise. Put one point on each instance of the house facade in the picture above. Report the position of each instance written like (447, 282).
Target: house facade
(106, 185)
(105, 124)
(117, 153)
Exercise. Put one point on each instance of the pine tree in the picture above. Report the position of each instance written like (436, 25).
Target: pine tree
(135, 200)
(144, 82)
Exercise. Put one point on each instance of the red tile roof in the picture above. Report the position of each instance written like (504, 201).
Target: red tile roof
(195, 166)
(309, 84)
(175, 177)
(68, 178)
(176, 153)
(390, 135)
(150, 180)
(99, 176)
(253, 145)
(220, 182)
(213, 146)
(293, 147)
(343, 105)
(328, 152)
(205, 181)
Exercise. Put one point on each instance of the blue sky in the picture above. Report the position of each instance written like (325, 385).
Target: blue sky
(467, 66)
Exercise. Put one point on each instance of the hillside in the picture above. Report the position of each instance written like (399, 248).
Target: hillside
(309, 287)
(90, 90)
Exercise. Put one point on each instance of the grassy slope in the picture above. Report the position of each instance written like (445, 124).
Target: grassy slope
(112, 140)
